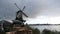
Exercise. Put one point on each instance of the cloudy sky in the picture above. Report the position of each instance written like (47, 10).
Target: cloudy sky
(39, 11)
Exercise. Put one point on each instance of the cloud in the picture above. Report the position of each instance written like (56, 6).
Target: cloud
(33, 9)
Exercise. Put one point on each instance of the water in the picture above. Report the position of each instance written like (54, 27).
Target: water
(49, 27)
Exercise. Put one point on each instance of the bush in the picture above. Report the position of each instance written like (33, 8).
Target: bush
(34, 31)
(2, 32)
(45, 31)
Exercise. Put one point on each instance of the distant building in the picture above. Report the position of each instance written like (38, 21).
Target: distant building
(4, 24)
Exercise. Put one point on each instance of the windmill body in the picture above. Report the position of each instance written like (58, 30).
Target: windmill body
(20, 13)
(19, 16)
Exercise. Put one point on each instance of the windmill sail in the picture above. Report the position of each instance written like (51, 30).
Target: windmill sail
(24, 14)
(16, 6)
(21, 10)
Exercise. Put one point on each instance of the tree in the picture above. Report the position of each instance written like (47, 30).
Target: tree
(45, 31)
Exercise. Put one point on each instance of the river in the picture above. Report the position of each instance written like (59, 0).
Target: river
(49, 27)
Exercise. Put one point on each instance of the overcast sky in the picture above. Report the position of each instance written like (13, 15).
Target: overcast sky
(39, 11)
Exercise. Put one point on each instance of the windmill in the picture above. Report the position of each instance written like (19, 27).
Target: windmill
(20, 13)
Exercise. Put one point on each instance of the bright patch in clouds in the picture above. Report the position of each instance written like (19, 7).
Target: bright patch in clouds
(54, 20)
(44, 20)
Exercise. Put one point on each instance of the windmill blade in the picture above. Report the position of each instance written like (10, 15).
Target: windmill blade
(17, 6)
(24, 14)
(23, 8)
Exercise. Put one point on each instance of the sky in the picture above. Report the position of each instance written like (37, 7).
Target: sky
(39, 11)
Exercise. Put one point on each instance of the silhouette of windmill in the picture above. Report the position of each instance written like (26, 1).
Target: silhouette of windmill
(19, 14)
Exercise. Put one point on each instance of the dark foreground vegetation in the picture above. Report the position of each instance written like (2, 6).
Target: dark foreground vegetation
(45, 31)
(36, 31)
(2, 32)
